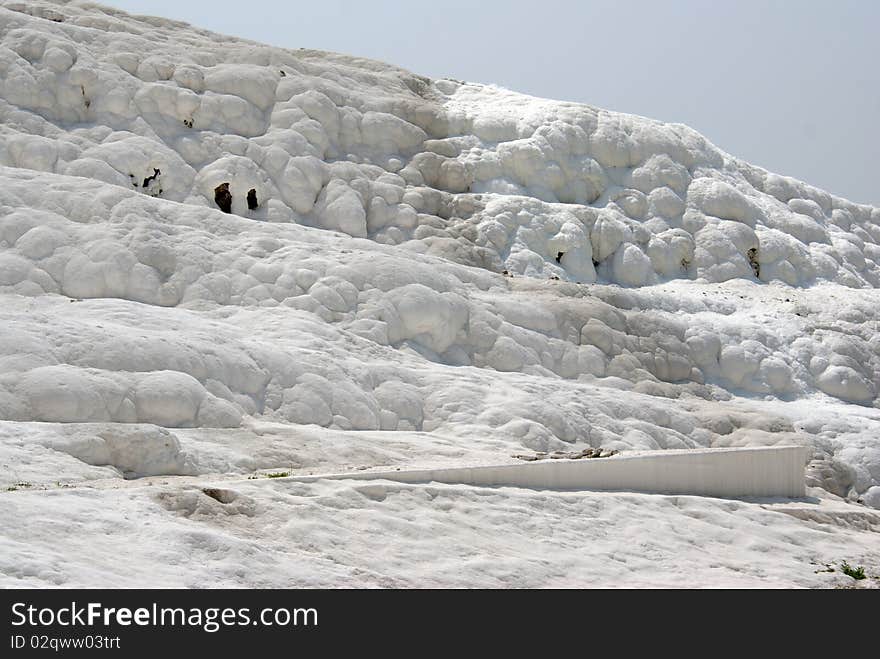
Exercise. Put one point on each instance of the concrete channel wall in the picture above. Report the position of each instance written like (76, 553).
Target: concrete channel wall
(724, 472)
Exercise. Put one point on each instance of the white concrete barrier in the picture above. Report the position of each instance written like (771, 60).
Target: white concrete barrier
(723, 472)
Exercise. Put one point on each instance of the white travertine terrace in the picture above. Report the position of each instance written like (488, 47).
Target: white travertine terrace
(219, 257)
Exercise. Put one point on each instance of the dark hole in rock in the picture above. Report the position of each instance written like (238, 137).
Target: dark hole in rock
(753, 261)
(155, 175)
(221, 495)
(559, 256)
(252, 202)
(283, 74)
(223, 198)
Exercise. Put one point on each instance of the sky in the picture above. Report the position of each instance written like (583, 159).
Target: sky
(790, 85)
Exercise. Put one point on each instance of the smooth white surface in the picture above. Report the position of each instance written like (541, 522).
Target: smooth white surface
(739, 472)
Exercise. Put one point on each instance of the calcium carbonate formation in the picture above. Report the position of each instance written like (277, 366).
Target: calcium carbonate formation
(200, 232)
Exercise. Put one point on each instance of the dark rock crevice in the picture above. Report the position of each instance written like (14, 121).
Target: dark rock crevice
(753, 261)
(223, 198)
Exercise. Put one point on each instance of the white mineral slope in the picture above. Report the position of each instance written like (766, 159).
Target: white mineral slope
(410, 271)
(273, 533)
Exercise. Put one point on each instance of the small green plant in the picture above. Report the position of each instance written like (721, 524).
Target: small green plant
(857, 573)
(278, 474)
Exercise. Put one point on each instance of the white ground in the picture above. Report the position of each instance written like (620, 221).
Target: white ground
(659, 294)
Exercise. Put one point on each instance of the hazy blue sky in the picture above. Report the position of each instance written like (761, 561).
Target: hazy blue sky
(790, 85)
